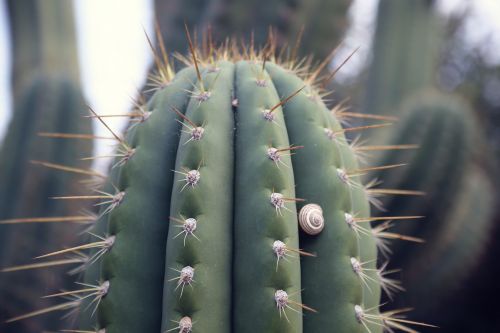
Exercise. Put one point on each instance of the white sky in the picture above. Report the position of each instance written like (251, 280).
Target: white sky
(114, 54)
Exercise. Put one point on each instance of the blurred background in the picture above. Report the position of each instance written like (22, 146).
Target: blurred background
(435, 65)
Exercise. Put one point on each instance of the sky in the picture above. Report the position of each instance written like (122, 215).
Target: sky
(114, 55)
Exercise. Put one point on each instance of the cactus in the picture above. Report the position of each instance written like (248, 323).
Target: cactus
(171, 253)
(405, 54)
(43, 39)
(443, 128)
(47, 98)
(324, 21)
(52, 104)
(454, 249)
(444, 168)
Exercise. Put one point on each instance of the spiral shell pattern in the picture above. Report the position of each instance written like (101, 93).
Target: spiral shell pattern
(311, 219)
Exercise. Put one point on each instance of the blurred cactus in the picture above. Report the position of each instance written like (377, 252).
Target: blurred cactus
(453, 248)
(457, 205)
(43, 39)
(47, 98)
(405, 54)
(324, 21)
(443, 128)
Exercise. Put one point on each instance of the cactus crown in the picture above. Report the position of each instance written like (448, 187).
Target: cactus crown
(199, 226)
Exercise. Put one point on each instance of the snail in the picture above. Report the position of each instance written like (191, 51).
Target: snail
(311, 219)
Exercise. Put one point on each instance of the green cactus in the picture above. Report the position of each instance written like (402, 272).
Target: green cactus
(405, 54)
(202, 238)
(454, 249)
(444, 168)
(52, 104)
(443, 128)
(43, 39)
(200, 225)
(47, 98)
(324, 22)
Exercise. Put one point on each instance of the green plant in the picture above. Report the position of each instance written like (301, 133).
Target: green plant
(443, 128)
(457, 205)
(202, 232)
(405, 54)
(324, 21)
(47, 98)
(453, 251)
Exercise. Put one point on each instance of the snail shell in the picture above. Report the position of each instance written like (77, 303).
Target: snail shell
(311, 219)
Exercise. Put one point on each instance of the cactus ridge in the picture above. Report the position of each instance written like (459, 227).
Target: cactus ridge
(199, 231)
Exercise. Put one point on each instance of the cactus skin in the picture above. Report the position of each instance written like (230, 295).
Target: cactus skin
(236, 272)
